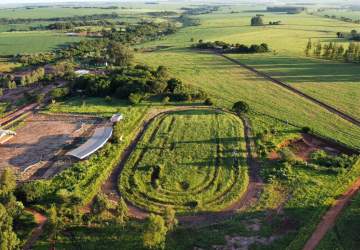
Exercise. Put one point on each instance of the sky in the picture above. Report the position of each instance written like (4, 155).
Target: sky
(12, 2)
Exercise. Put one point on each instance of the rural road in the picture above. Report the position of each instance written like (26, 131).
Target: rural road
(329, 219)
(329, 108)
(110, 187)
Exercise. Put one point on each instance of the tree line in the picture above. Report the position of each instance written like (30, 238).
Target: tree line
(232, 48)
(334, 51)
(60, 19)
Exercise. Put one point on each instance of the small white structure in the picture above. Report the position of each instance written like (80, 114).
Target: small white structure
(6, 135)
(116, 118)
(82, 72)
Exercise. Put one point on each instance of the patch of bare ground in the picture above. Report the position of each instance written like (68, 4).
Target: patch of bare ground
(244, 242)
(41, 142)
(303, 147)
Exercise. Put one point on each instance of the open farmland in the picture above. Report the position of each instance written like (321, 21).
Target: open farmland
(12, 43)
(334, 83)
(191, 160)
(224, 135)
(227, 82)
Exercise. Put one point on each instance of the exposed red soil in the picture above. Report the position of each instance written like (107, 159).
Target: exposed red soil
(329, 219)
(307, 144)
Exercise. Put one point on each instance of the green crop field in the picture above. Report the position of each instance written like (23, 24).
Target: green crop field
(191, 160)
(12, 43)
(334, 83)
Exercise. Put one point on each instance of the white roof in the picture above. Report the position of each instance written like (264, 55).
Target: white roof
(96, 141)
(82, 72)
(116, 118)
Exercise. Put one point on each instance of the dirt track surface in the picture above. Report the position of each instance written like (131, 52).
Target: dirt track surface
(251, 195)
(329, 219)
(296, 91)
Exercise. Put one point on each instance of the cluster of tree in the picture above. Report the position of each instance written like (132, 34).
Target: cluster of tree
(74, 24)
(287, 9)
(355, 35)
(10, 81)
(274, 22)
(7, 82)
(136, 83)
(33, 76)
(199, 10)
(36, 59)
(59, 19)
(334, 51)
(187, 21)
(10, 211)
(257, 20)
(232, 48)
(344, 19)
(141, 32)
(321, 158)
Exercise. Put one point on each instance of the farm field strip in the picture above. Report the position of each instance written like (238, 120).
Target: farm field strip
(296, 91)
(191, 182)
(332, 82)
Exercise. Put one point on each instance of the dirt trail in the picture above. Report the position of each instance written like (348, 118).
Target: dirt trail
(35, 234)
(110, 187)
(329, 219)
(331, 109)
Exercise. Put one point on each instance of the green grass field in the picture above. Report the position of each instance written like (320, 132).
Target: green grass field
(334, 83)
(198, 169)
(12, 43)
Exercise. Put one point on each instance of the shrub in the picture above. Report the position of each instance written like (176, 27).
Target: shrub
(39, 98)
(108, 99)
(208, 102)
(240, 107)
(287, 155)
(306, 130)
(166, 100)
(59, 93)
(135, 98)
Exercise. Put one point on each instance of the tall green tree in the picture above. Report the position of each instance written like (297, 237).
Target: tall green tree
(119, 54)
(8, 239)
(7, 183)
(155, 233)
(308, 48)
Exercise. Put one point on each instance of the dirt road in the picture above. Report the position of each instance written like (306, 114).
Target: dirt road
(329, 219)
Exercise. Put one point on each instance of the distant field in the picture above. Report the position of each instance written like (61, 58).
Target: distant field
(290, 38)
(12, 43)
(335, 83)
(191, 160)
